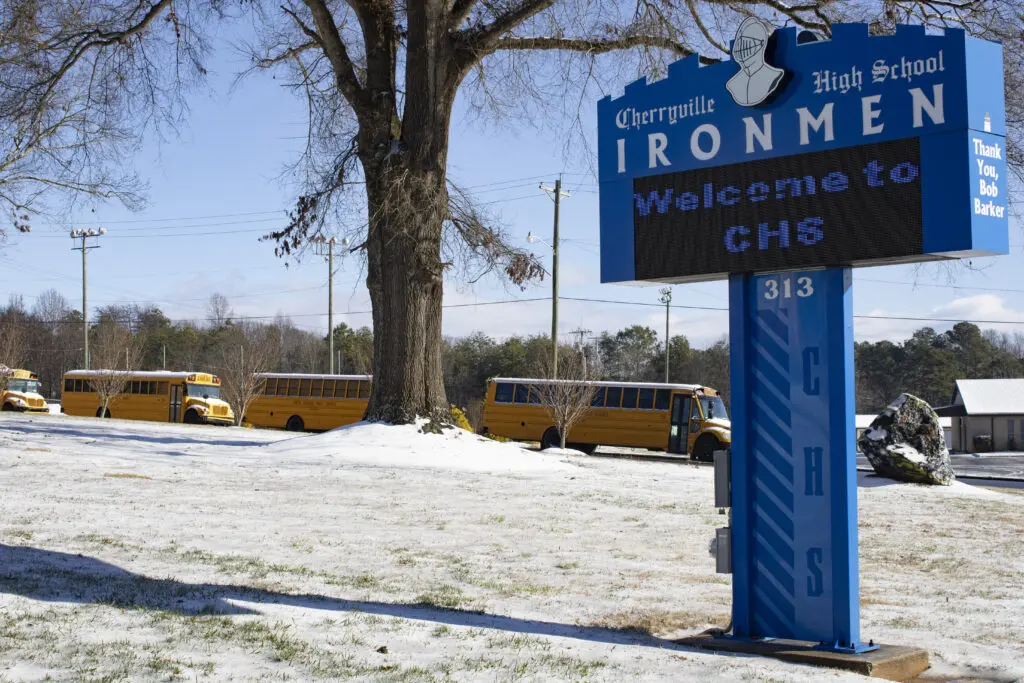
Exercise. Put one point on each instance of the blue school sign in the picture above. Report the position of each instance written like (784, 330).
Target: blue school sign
(781, 170)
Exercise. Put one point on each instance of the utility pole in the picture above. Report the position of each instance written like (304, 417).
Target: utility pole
(580, 332)
(557, 194)
(666, 298)
(325, 247)
(84, 248)
(165, 356)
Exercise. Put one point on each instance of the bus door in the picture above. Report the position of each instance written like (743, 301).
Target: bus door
(175, 410)
(679, 428)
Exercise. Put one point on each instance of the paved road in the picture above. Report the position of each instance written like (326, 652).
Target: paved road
(989, 470)
(1007, 466)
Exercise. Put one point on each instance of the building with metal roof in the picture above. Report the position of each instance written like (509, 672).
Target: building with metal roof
(987, 407)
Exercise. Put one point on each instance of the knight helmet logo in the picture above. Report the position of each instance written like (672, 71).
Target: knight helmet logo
(756, 80)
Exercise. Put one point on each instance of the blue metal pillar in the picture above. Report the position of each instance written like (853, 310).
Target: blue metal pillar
(794, 480)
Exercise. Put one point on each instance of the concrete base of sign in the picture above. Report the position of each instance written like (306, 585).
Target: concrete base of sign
(889, 662)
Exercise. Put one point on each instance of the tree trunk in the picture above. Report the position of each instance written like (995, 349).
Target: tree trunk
(405, 165)
(563, 433)
(404, 276)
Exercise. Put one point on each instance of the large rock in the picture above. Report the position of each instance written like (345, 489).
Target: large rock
(906, 443)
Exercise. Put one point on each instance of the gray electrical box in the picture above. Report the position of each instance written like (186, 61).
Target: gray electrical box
(723, 476)
(723, 550)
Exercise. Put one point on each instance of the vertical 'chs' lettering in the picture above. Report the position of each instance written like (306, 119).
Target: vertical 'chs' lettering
(815, 582)
(812, 383)
(814, 475)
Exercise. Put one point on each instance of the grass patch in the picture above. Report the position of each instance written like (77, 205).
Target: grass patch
(126, 475)
(443, 596)
(99, 539)
(20, 533)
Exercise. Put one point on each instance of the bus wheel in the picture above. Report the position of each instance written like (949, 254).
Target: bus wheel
(192, 418)
(102, 413)
(7, 408)
(588, 448)
(550, 439)
(295, 424)
(703, 450)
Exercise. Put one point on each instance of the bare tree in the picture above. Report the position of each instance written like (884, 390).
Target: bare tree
(218, 310)
(568, 398)
(251, 350)
(12, 350)
(76, 86)
(116, 352)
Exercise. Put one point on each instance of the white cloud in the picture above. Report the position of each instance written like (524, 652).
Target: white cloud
(987, 310)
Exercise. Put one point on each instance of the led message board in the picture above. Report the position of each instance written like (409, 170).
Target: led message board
(857, 150)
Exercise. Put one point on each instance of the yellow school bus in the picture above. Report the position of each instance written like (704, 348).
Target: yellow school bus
(21, 392)
(189, 397)
(298, 402)
(677, 418)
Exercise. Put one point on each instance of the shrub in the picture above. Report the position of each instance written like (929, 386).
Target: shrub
(459, 418)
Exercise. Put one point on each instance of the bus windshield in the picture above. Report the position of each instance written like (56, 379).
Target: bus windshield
(202, 390)
(714, 408)
(24, 386)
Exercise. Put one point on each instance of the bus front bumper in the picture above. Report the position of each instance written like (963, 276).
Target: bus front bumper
(218, 420)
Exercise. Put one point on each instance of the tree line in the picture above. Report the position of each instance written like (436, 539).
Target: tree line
(47, 338)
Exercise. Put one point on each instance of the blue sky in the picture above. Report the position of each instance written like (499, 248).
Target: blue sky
(216, 189)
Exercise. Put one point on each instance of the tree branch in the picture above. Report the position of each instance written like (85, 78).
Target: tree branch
(334, 48)
(482, 40)
(460, 12)
(98, 38)
(594, 46)
(290, 53)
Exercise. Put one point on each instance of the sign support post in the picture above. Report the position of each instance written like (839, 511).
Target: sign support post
(795, 569)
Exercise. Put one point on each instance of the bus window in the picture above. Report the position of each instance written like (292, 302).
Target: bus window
(662, 399)
(536, 394)
(339, 388)
(317, 388)
(695, 417)
(614, 397)
(522, 393)
(503, 392)
(646, 399)
(597, 400)
(304, 387)
(270, 386)
(629, 397)
(69, 385)
(293, 387)
(364, 390)
(161, 388)
(328, 388)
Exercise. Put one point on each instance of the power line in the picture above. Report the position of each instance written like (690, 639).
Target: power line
(939, 286)
(502, 302)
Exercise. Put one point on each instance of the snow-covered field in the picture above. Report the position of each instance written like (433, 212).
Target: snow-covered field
(151, 551)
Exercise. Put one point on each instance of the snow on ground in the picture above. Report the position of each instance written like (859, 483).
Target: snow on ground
(151, 551)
